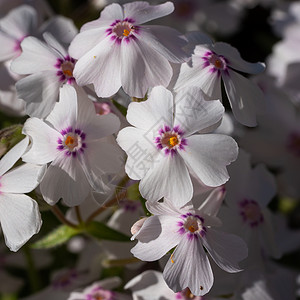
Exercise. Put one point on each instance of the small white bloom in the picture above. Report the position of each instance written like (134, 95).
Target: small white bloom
(163, 147)
(211, 62)
(189, 231)
(75, 140)
(116, 50)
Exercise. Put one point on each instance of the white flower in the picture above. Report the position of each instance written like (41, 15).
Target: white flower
(211, 62)
(115, 50)
(189, 231)
(49, 66)
(163, 148)
(19, 214)
(73, 138)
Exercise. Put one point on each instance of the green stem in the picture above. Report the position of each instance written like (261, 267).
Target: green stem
(60, 216)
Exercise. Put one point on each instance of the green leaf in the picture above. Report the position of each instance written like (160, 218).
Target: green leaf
(120, 107)
(102, 232)
(56, 238)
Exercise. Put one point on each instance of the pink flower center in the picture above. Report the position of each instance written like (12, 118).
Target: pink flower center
(72, 142)
(170, 140)
(192, 225)
(251, 212)
(216, 63)
(293, 143)
(66, 67)
(123, 30)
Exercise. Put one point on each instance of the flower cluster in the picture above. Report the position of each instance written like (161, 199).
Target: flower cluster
(138, 128)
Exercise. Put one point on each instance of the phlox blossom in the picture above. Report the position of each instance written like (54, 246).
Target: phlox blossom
(48, 66)
(167, 144)
(189, 230)
(75, 140)
(212, 62)
(116, 50)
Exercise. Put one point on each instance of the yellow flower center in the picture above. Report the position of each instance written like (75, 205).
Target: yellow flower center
(71, 142)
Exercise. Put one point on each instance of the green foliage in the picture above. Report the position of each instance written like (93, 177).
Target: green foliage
(57, 237)
(102, 232)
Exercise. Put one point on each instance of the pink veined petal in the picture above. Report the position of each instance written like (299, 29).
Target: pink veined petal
(13, 155)
(167, 41)
(208, 155)
(100, 66)
(40, 92)
(235, 60)
(157, 236)
(226, 249)
(36, 56)
(64, 113)
(154, 113)
(142, 68)
(140, 149)
(65, 179)
(169, 177)
(20, 219)
(22, 179)
(194, 73)
(142, 12)
(246, 99)
(20, 21)
(7, 49)
(193, 113)
(86, 40)
(189, 267)
(43, 147)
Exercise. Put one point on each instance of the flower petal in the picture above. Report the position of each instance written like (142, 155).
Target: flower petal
(142, 153)
(100, 66)
(189, 267)
(169, 177)
(246, 99)
(65, 179)
(193, 113)
(195, 73)
(157, 236)
(142, 68)
(226, 249)
(43, 147)
(64, 113)
(208, 155)
(20, 219)
(40, 92)
(235, 60)
(36, 57)
(13, 155)
(22, 179)
(86, 40)
(157, 111)
(167, 41)
(7, 49)
(142, 12)
(20, 21)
